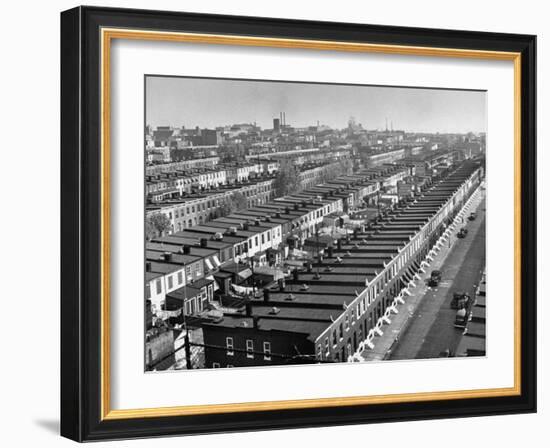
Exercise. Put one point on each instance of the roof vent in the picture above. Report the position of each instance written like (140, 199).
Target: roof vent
(274, 310)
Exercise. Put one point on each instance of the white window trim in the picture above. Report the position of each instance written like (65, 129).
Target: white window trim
(250, 354)
(229, 346)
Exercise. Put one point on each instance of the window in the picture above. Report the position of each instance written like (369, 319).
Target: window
(170, 282)
(147, 291)
(334, 338)
(249, 348)
(229, 345)
(159, 286)
(347, 322)
(327, 347)
(180, 277)
(267, 350)
(256, 239)
(341, 331)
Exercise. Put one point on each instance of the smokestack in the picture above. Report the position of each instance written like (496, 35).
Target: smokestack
(284, 118)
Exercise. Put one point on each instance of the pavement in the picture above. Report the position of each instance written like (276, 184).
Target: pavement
(423, 326)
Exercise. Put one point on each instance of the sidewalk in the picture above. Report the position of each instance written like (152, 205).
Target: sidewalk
(400, 321)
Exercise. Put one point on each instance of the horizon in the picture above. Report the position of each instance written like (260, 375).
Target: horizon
(209, 103)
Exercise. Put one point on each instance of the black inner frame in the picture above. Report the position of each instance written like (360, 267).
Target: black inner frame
(81, 223)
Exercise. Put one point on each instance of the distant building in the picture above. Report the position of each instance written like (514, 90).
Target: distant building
(276, 125)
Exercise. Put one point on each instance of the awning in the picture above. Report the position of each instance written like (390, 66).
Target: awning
(216, 286)
(209, 264)
(245, 274)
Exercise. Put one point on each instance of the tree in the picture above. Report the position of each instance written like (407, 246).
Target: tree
(156, 225)
(234, 203)
(287, 180)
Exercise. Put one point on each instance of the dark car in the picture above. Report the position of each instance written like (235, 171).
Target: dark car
(462, 233)
(435, 278)
(472, 216)
(460, 300)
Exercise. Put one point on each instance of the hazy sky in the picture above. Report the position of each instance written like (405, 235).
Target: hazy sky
(208, 103)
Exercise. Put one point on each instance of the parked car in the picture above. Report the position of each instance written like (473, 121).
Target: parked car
(462, 233)
(461, 318)
(460, 300)
(472, 216)
(435, 278)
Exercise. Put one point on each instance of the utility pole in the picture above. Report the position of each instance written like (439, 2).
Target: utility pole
(187, 350)
(186, 337)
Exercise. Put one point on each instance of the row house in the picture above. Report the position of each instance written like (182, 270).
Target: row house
(324, 312)
(203, 162)
(160, 279)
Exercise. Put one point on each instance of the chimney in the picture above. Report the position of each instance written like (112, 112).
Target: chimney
(148, 266)
(339, 244)
(295, 275)
(266, 294)
(255, 321)
(167, 256)
(204, 242)
(282, 285)
(330, 252)
(296, 206)
(245, 226)
(186, 250)
(248, 308)
(309, 267)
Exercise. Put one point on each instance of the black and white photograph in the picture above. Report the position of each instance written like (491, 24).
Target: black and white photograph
(311, 223)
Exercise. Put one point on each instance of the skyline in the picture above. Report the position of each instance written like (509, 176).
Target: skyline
(211, 103)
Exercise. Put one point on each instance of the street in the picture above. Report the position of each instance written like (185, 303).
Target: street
(431, 330)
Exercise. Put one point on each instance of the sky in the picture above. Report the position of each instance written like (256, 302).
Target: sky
(208, 103)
